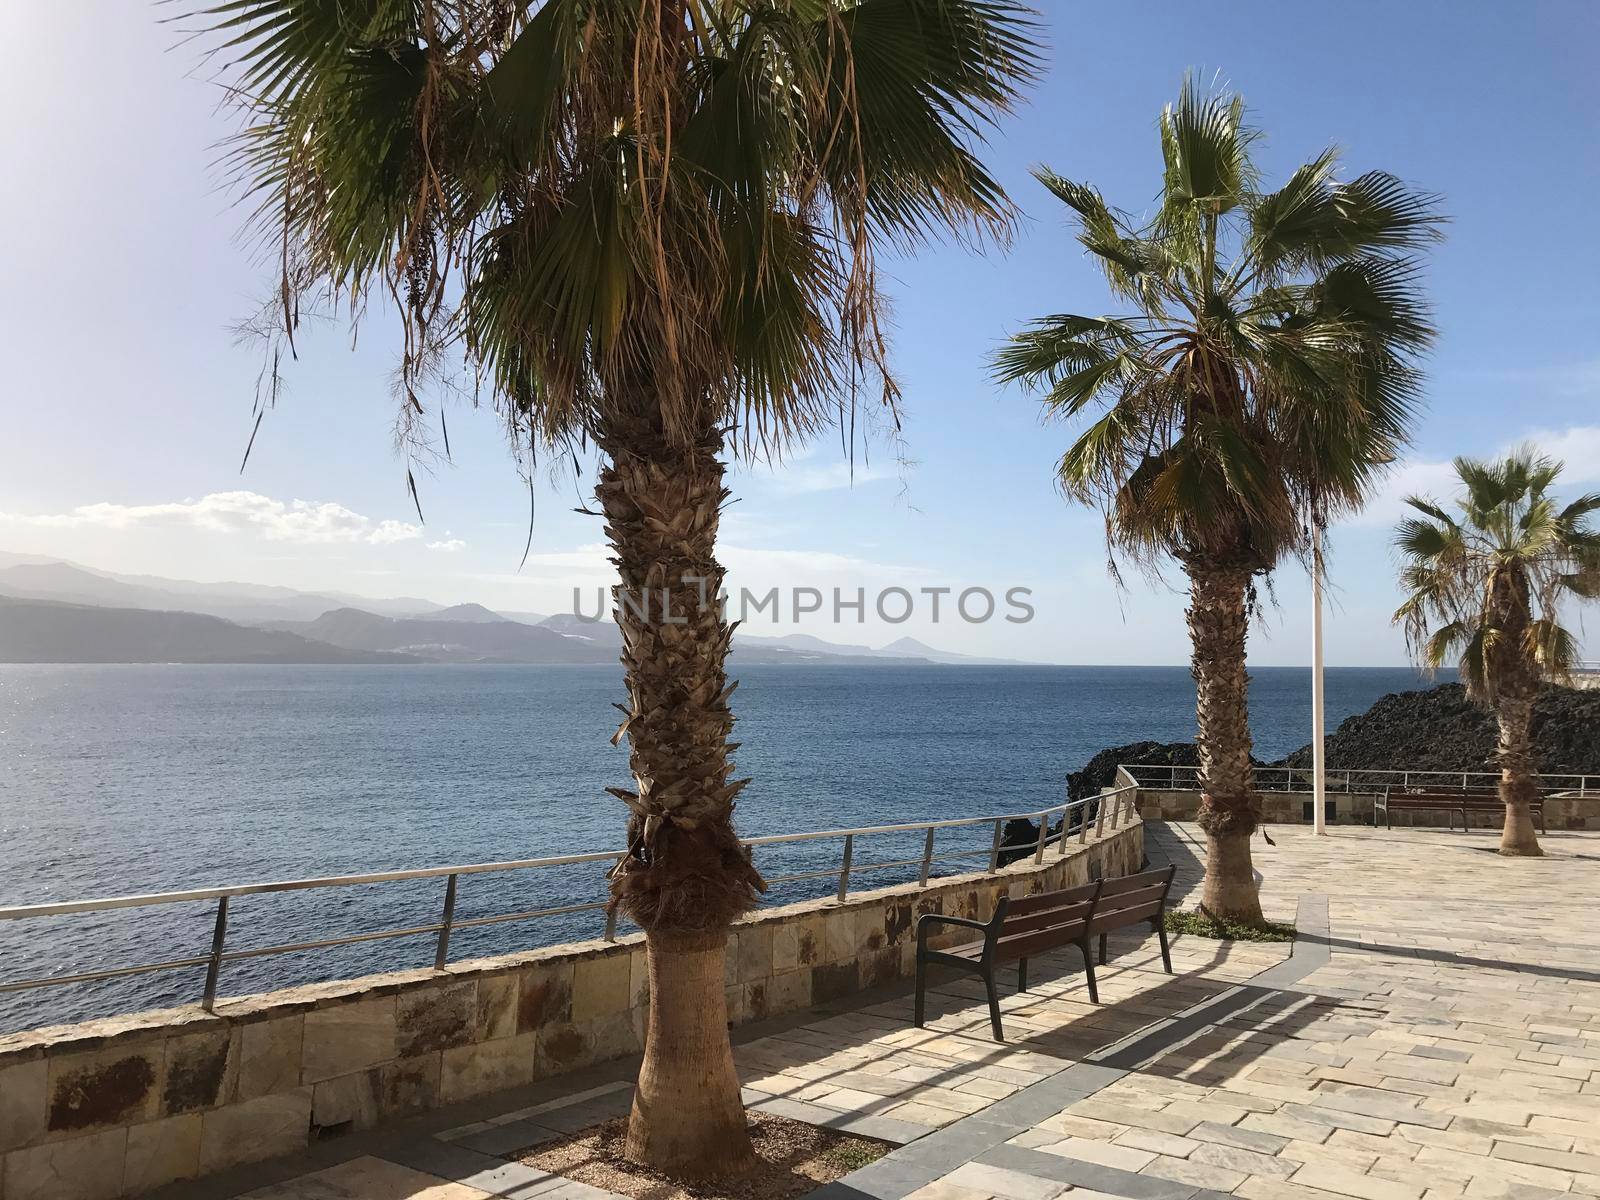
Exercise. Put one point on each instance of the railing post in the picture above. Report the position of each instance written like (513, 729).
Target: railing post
(442, 951)
(927, 858)
(1463, 782)
(1044, 831)
(994, 848)
(1100, 818)
(1083, 825)
(1066, 823)
(844, 871)
(219, 935)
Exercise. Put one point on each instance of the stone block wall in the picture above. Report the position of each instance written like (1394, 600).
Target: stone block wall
(1289, 808)
(118, 1107)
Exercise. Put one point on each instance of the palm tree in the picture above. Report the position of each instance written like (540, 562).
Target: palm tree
(1264, 378)
(1487, 591)
(648, 225)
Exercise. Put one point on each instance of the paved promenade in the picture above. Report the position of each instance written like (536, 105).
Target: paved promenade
(1435, 1034)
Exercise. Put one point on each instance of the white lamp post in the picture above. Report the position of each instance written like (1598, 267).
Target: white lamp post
(1319, 767)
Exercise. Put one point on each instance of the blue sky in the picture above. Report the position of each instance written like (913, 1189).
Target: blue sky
(126, 402)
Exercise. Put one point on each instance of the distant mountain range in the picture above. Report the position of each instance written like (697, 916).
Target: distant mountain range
(45, 579)
(55, 611)
(49, 631)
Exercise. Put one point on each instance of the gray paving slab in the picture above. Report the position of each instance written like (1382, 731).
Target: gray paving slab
(1087, 1174)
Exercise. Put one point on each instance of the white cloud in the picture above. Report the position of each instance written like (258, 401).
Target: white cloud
(303, 521)
(1577, 447)
(448, 545)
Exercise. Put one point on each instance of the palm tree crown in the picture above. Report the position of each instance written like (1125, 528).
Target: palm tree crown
(587, 197)
(1486, 589)
(1267, 371)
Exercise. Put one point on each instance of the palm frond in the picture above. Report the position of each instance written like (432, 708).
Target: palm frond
(1314, 222)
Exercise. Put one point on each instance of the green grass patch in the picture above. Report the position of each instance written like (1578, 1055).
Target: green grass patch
(1201, 925)
(853, 1155)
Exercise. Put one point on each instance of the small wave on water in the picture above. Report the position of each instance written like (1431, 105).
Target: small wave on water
(118, 780)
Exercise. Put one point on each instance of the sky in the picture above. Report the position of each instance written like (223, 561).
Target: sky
(126, 399)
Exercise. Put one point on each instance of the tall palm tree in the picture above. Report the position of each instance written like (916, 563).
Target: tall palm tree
(1264, 377)
(649, 224)
(1486, 589)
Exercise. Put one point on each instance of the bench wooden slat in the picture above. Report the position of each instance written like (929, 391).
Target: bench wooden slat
(1129, 899)
(1120, 918)
(1023, 905)
(1130, 883)
(1046, 918)
(1039, 941)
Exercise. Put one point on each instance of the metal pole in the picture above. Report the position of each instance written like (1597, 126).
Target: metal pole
(844, 871)
(1044, 829)
(927, 858)
(442, 952)
(994, 847)
(1319, 766)
(219, 934)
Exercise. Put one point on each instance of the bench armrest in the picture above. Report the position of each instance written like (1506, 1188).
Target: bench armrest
(929, 919)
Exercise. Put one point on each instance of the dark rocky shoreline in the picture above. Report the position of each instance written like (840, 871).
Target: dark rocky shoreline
(1434, 730)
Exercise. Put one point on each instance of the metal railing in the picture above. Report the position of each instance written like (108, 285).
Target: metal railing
(1298, 779)
(1112, 808)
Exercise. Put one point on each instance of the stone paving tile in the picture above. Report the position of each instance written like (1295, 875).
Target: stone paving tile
(1448, 1048)
(371, 1179)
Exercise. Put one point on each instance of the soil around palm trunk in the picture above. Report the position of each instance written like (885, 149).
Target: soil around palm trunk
(792, 1159)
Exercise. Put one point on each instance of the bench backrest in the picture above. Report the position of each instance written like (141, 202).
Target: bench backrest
(1132, 898)
(1044, 909)
(1033, 924)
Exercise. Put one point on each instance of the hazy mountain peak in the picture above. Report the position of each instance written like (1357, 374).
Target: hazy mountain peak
(475, 613)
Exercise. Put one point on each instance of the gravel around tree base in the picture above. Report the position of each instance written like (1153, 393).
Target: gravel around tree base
(793, 1159)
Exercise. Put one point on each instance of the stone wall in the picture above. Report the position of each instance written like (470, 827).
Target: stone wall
(118, 1107)
(1291, 808)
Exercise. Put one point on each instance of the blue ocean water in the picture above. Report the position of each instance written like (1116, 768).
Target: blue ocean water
(132, 779)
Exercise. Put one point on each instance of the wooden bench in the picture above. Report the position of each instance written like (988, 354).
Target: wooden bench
(1463, 803)
(1032, 925)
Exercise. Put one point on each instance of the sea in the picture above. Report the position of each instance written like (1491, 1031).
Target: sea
(132, 779)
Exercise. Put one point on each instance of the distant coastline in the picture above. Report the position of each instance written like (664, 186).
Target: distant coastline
(58, 612)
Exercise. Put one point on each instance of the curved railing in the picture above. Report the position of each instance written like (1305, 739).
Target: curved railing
(1075, 819)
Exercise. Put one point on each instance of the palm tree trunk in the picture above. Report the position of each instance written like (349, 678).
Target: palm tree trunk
(1230, 810)
(686, 876)
(688, 1119)
(1517, 786)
